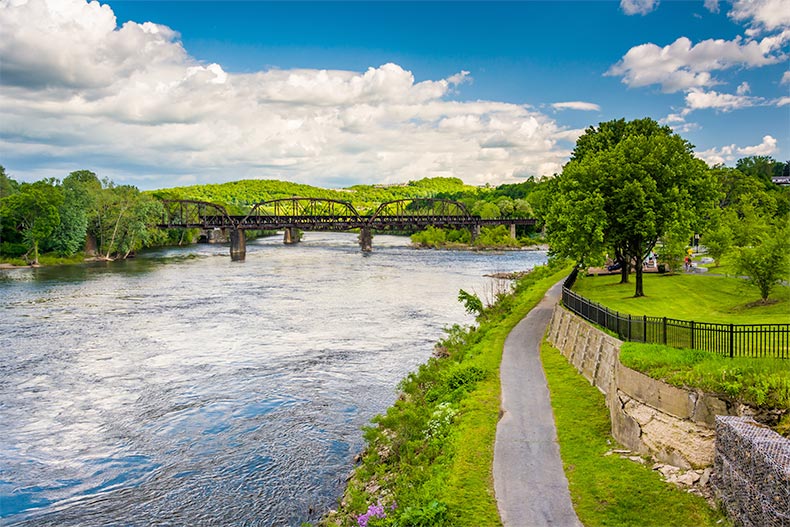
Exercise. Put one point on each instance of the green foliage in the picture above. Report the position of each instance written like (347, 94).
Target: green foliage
(767, 264)
(718, 242)
(606, 489)
(627, 185)
(498, 237)
(34, 208)
(472, 303)
(434, 513)
(759, 382)
(672, 250)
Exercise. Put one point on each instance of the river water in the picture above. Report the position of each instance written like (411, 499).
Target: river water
(181, 388)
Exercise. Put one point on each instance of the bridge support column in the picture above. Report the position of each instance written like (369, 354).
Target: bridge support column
(238, 245)
(475, 232)
(513, 230)
(291, 235)
(365, 239)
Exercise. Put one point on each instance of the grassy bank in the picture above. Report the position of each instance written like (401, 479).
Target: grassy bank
(606, 489)
(762, 383)
(45, 259)
(429, 458)
(689, 297)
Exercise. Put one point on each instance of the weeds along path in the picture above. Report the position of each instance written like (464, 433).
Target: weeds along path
(530, 485)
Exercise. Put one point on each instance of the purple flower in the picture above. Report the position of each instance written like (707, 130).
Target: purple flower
(374, 511)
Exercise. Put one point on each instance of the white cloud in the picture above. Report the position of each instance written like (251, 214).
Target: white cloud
(78, 92)
(762, 15)
(682, 66)
(576, 105)
(638, 7)
(730, 153)
(783, 101)
(700, 100)
(743, 89)
(785, 78)
(712, 5)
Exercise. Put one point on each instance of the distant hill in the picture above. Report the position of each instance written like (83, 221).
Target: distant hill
(245, 193)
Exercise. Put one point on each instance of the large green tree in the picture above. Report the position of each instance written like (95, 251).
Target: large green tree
(80, 192)
(627, 185)
(34, 211)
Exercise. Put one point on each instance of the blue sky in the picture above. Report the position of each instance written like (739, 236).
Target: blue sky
(158, 94)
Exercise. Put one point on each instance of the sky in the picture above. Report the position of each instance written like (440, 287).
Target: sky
(159, 94)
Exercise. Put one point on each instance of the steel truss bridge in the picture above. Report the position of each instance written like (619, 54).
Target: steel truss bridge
(317, 214)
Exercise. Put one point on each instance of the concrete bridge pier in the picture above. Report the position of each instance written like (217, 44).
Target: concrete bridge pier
(474, 230)
(513, 230)
(291, 235)
(238, 245)
(365, 239)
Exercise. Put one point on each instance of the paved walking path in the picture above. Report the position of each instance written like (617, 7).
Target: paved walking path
(530, 485)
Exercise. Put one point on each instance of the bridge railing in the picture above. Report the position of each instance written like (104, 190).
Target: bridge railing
(733, 340)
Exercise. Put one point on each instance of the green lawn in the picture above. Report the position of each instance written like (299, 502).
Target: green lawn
(759, 382)
(608, 490)
(689, 297)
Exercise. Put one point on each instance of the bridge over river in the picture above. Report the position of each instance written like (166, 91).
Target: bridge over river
(317, 214)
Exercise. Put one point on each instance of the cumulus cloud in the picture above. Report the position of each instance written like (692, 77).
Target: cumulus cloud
(638, 7)
(761, 15)
(729, 153)
(700, 99)
(682, 66)
(785, 78)
(80, 92)
(712, 5)
(576, 105)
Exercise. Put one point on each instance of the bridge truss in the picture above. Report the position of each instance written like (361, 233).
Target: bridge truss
(327, 214)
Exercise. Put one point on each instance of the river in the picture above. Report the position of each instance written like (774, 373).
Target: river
(181, 388)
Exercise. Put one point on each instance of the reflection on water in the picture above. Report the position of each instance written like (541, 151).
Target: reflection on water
(183, 388)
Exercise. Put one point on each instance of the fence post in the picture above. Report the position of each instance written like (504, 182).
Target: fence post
(732, 327)
(665, 329)
(692, 335)
(644, 329)
(629, 327)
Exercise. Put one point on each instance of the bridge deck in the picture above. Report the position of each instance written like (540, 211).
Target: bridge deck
(266, 222)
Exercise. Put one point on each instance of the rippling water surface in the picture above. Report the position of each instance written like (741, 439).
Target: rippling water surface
(183, 388)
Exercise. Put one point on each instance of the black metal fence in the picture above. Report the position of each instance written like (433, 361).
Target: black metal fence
(735, 340)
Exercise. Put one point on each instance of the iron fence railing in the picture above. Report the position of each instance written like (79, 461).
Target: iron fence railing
(734, 340)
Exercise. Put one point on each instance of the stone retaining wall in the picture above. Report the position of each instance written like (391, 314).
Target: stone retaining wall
(648, 416)
(752, 472)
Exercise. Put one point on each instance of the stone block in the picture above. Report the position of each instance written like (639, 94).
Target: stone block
(657, 394)
(707, 407)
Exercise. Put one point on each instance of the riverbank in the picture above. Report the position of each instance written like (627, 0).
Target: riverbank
(428, 460)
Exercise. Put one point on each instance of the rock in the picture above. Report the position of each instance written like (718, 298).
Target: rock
(688, 479)
(637, 459)
(705, 477)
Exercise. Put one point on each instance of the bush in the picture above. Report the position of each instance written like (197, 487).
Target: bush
(12, 250)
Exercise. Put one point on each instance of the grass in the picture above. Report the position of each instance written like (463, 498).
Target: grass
(758, 382)
(432, 452)
(609, 490)
(689, 297)
(46, 259)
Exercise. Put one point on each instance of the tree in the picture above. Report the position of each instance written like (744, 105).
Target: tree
(34, 209)
(627, 185)
(718, 241)
(766, 264)
(80, 192)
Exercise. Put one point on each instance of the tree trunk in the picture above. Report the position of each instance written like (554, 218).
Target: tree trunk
(114, 232)
(639, 289)
(35, 252)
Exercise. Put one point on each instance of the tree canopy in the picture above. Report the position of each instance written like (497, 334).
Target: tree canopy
(627, 185)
